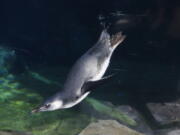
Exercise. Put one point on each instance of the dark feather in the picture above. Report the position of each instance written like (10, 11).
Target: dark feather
(91, 85)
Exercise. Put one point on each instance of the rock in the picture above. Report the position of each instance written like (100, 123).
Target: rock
(17, 103)
(110, 111)
(165, 113)
(13, 133)
(174, 132)
(7, 57)
(168, 132)
(131, 112)
(108, 127)
(124, 114)
(10, 77)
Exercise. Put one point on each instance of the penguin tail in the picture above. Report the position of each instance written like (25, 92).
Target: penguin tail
(117, 39)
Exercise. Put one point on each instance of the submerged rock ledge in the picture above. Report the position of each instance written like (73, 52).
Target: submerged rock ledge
(108, 127)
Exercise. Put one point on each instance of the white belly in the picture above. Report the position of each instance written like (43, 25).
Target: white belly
(102, 70)
(77, 101)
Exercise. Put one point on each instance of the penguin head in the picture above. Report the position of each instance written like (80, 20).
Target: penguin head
(55, 103)
(49, 105)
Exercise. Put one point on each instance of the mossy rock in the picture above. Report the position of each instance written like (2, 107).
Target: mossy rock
(108, 127)
(15, 107)
(110, 111)
(15, 115)
(16, 103)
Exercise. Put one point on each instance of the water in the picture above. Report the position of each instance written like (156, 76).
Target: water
(20, 96)
(41, 40)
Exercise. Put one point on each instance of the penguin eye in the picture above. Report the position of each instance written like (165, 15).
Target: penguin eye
(77, 97)
(47, 105)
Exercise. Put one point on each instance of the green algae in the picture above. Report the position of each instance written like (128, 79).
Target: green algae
(16, 104)
(112, 112)
(17, 101)
(41, 78)
(16, 116)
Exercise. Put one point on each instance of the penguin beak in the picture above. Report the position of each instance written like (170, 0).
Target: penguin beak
(35, 110)
(40, 109)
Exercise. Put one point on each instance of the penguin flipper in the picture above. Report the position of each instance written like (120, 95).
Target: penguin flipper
(91, 85)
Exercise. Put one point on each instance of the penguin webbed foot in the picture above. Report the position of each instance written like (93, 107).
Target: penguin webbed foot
(117, 39)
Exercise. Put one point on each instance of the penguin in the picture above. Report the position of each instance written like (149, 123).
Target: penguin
(85, 75)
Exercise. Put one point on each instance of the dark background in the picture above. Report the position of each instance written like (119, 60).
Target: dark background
(55, 33)
(51, 30)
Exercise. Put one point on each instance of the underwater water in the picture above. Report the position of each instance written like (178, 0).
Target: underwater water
(41, 40)
(19, 96)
